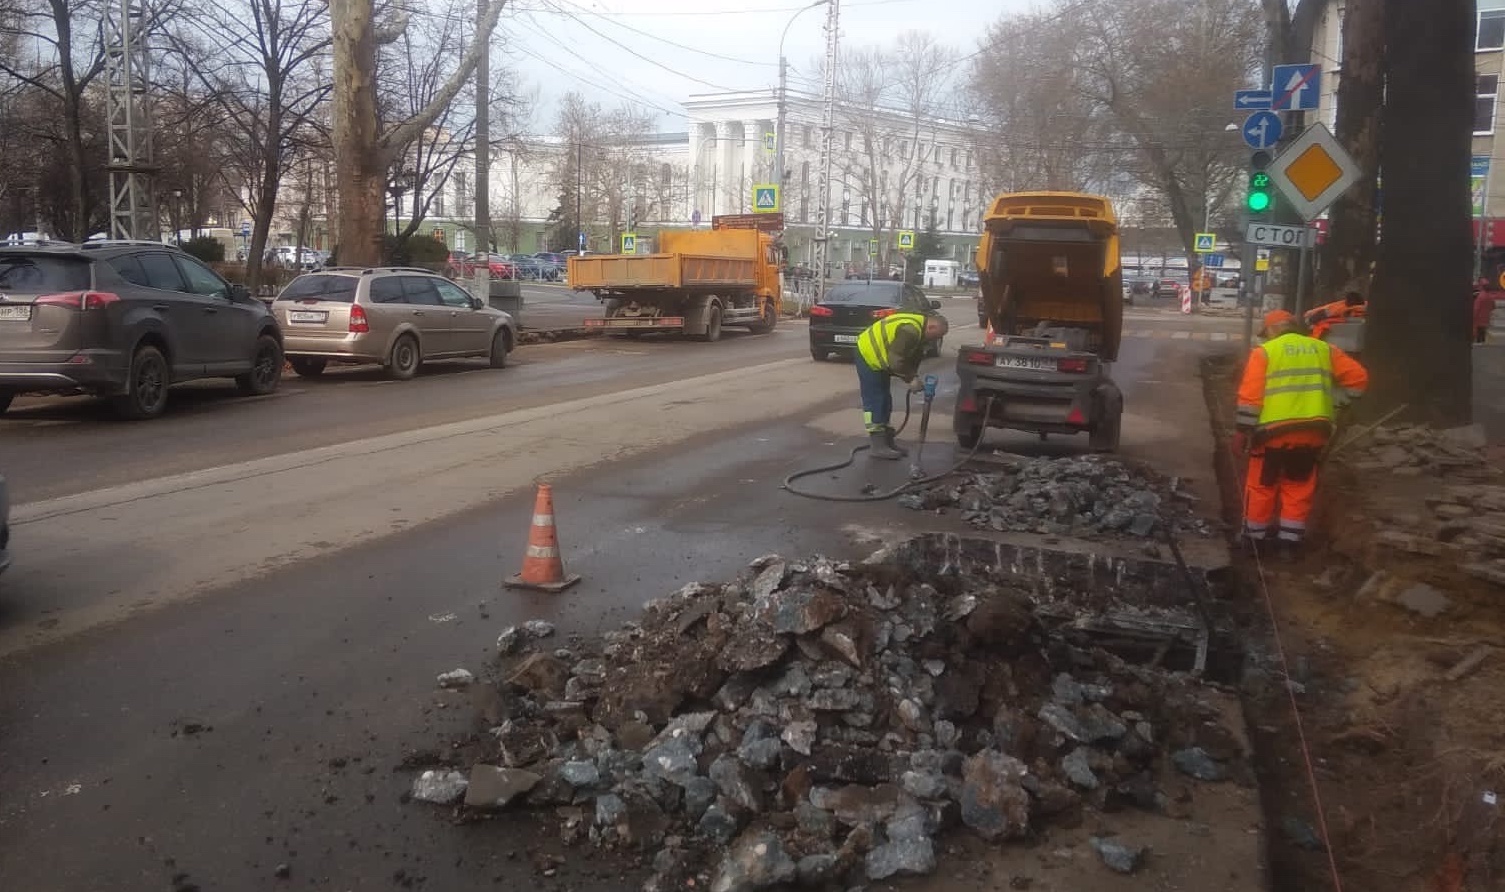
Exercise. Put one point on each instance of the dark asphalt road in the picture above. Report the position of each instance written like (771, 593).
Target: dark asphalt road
(331, 662)
(208, 424)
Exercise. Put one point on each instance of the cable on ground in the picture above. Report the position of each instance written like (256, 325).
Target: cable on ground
(886, 494)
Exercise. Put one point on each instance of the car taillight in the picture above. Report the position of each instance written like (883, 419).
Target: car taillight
(821, 311)
(979, 357)
(879, 314)
(79, 300)
(1071, 365)
(967, 404)
(358, 323)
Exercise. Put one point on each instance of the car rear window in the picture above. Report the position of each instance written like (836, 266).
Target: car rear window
(42, 274)
(325, 287)
(875, 295)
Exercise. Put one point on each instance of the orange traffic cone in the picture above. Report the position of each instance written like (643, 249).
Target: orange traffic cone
(543, 569)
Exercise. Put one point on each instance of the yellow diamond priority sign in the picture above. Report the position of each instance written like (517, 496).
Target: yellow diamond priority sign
(1313, 171)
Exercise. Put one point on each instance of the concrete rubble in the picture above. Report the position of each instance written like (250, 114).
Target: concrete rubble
(819, 723)
(1464, 518)
(1088, 496)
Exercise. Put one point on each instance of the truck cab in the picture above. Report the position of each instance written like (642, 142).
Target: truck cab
(1052, 295)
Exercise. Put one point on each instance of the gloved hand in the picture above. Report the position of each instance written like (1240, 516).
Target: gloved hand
(1240, 443)
(916, 385)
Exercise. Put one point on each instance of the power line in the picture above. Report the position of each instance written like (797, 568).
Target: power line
(690, 77)
(672, 43)
(762, 10)
(592, 83)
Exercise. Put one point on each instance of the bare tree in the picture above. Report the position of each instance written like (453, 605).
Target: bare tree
(889, 98)
(265, 70)
(363, 147)
(601, 150)
(60, 55)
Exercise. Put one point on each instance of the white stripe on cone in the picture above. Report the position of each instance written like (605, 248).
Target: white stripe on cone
(543, 520)
(542, 551)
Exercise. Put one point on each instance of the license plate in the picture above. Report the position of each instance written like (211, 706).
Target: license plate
(1027, 362)
(845, 339)
(307, 316)
(20, 313)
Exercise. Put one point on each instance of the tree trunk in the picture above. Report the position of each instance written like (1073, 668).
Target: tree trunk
(362, 167)
(266, 192)
(1419, 315)
(1348, 255)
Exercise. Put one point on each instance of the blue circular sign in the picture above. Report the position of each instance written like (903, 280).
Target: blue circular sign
(1262, 130)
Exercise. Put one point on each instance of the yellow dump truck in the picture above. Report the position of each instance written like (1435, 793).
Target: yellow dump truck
(699, 281)
(1052, 294)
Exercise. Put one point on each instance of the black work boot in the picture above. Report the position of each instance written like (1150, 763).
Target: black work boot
(878, 447)
(889, 435)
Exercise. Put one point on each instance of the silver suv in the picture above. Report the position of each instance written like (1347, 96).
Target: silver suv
(395, 316)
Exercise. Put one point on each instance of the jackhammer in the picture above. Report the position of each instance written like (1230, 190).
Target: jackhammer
(916, 472)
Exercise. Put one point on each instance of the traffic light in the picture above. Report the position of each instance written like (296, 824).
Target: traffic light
(1259, 198)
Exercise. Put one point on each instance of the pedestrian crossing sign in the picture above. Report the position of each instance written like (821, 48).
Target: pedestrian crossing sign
(906, 240)
(770, 142)
(766, 198)
(629, 243)
(1206, 242)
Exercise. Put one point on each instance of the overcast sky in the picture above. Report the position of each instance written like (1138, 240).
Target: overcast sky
(633, 57)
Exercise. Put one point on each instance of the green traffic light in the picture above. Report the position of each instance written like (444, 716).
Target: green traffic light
(1259, 202)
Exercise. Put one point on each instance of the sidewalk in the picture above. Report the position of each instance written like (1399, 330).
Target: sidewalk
(1489, 390)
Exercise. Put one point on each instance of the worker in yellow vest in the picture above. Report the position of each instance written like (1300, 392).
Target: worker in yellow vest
(892, 347)
(1287, 403)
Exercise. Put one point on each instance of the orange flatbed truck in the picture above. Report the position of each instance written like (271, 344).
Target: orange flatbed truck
(699, 281)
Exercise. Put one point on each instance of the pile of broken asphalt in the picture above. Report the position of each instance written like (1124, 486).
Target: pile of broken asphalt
(822, 723)
(1088, 496)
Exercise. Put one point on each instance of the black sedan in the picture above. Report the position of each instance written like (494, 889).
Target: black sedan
(849, 308)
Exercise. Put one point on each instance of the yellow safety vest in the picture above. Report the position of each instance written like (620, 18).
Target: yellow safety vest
(873, 343)
(1298, 381)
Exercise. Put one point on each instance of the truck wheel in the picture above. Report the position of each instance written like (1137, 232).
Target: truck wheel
(712, 324)
(969, 438)
(767, 321)
(1104, 437)
(818, 354)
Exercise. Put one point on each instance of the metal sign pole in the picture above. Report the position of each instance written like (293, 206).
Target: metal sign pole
(1302, 269)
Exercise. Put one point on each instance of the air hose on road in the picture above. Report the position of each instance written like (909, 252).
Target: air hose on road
(901, 488)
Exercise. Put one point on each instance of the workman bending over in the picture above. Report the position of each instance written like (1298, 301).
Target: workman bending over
(1320, 319)
(891, 347)
(1286, 412)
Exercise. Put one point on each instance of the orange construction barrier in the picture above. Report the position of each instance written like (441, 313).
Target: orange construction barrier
(543, 568)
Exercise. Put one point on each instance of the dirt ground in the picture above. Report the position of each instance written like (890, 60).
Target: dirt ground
(1408, 762)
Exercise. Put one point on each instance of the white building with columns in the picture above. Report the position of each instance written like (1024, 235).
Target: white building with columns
(889, 172)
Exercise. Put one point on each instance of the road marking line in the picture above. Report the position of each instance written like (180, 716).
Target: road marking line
(343, 452)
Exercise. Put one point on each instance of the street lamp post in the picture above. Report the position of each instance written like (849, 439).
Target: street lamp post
(778, 155)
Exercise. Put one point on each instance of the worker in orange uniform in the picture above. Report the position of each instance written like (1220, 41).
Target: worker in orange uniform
(1287, 405)
(1320, 319)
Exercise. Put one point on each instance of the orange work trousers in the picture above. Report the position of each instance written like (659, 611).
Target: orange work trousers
(1281, 485)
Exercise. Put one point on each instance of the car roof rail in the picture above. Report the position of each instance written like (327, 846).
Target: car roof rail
(126, 242)
(408, 269)
(36, 242)
(341, 269)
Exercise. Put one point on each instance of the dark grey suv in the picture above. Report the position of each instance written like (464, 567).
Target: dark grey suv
(125, 320)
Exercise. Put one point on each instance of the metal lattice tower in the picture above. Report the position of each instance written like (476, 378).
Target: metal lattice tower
(827, 148)
(133, 209)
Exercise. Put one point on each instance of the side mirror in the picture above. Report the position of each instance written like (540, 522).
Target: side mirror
(240, 292)
(477, 304)
(935, 304)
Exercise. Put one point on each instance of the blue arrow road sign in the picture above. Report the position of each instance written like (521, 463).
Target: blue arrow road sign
(1212, 261)
(1262, 130)
(1295, 87)
(1251, 100)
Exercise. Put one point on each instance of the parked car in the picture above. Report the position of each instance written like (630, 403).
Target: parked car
(1168, 286)
(850, 307)
(500, 266)
(968, 278)
(527, 266)
(398, 317)
(125, 320)
(4, 527)
(454, 263)
(557, 264)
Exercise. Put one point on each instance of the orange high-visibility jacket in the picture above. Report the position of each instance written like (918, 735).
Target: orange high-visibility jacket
(1320, 319)
(1348, 376)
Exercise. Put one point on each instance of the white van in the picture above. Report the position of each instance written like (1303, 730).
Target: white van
(941, 273)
